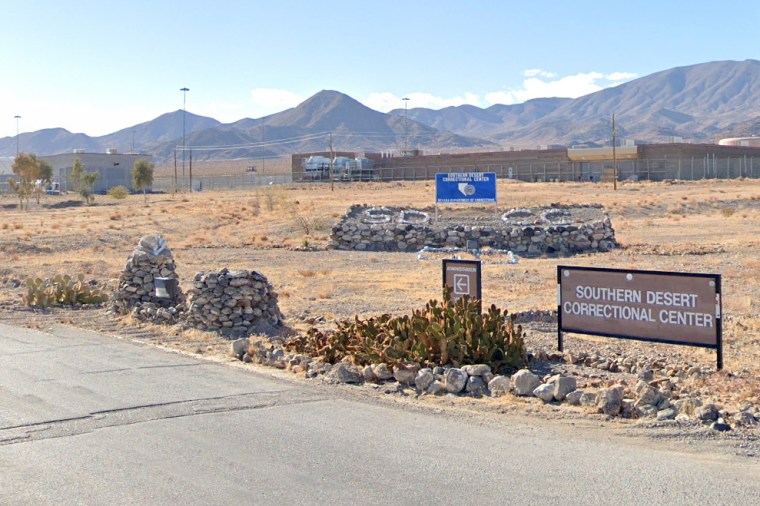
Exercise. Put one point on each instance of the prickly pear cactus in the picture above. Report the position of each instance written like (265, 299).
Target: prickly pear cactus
(60, 290)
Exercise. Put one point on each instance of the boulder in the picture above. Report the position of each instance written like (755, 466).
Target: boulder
(545, 392)
(707, 413)
(239, 347)
(382, 371)
(476, 385)
(500, 385)
(588, 399)
(436, 387)
(610, 401)
(423, 379)
(563, 386)
(406, 373)
(524, 382)
(476, 369)
(456, 380)
(574, 397)
(344, 373)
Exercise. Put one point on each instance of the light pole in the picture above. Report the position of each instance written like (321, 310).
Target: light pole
(17, 118)
(184, 95)
(406, 125)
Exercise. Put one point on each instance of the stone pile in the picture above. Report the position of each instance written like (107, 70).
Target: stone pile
(362, 231)
(233, 303)
(657, 400)
(151, 259)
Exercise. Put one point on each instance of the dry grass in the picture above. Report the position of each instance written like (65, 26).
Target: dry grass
(694, 227)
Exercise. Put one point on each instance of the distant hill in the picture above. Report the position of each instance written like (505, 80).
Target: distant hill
(699, 103)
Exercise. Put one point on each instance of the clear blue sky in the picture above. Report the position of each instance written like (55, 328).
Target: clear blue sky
(99, 66)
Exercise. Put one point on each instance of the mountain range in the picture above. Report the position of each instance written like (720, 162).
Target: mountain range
(698, 103)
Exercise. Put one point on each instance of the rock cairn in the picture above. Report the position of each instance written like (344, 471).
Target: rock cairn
(151, 259)
(565, 231)
(233, 303)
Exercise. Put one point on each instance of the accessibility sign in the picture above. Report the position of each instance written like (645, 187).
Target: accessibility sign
(463, 276)
(465, 187)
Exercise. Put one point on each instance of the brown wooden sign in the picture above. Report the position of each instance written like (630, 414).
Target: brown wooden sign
(666, 307)
(463, 276)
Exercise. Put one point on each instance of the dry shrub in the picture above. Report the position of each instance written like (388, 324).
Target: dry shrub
(307, 273)
(727, 211)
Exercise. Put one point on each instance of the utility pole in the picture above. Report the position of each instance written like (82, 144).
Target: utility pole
(332, 178)
(406, 124)
(614, 157)
(17, 118)
(184, 112)
(133, 142)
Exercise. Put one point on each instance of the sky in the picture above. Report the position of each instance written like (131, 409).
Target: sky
(96, 67)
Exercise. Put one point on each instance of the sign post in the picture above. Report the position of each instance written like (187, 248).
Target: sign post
(662, 307)
(465, 188)
(464, 278)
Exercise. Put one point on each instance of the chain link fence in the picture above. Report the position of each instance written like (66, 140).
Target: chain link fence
(708, 167)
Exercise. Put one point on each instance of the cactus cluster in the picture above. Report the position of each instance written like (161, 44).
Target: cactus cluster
(61, 290)
(441, 333)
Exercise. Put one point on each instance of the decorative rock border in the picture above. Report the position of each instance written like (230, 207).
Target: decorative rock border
(590, 231)
(658, 400)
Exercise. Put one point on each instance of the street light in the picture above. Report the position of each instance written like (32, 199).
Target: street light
(406, 125)
(17, 118)
(184, 95)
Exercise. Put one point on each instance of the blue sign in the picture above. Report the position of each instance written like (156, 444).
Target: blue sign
(465, 187)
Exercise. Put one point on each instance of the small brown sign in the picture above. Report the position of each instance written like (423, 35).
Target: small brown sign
(677, 308)
(463, 276)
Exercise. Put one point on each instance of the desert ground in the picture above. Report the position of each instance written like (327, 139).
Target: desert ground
(283, 232)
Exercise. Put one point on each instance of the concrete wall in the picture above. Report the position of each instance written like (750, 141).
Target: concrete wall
(113, 169)
(654, 162)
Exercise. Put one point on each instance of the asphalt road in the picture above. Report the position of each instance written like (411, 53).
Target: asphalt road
(90, 419)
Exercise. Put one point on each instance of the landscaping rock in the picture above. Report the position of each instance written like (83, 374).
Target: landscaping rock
(476, 369)
(406, 373)
(423, 379)
(382, 371)
(610, 401)
(238, 347)
(436, 387)
(744, 419)
(647, 411)
(344, 373)
(500, 385)
(574, 397)
(476, 385)
(563, 386)
(707, 413)
(545, 392)
(720, 426)
(588, 399)
(646, 394)
(456, 380)
(524, 382)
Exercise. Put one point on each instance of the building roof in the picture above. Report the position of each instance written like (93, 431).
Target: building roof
(6, 165)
